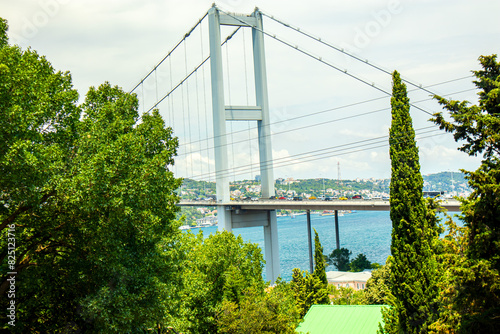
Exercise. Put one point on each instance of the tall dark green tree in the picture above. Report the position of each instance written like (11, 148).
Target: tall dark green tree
(308, 290)
(474, 281)
(319, 260)
(413, 266)
(360, 263)
(340, 258)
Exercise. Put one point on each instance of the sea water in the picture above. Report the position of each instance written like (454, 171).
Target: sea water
(367, 232)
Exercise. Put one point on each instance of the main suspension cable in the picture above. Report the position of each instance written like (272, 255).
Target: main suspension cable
(321, 60)
(170, 52)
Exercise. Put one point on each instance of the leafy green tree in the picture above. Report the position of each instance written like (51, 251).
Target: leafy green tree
(319, 260)
(473, 297)
(86, 191)
(4, 39)
(308, 290)
(217, 269)
(346, 295)
(340, 259)
(271, 311)
(360, 263)
(377, 286)
(413, 265)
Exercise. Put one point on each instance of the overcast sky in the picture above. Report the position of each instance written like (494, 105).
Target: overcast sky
(428, 42)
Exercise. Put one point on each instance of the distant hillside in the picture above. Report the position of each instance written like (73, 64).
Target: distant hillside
(444, 181)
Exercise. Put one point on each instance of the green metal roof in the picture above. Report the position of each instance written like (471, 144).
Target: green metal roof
(345, 319)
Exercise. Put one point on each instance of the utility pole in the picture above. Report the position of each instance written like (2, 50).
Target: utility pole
(339, 181)
(324, 193)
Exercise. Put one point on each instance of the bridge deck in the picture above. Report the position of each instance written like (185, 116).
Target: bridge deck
(261, 204)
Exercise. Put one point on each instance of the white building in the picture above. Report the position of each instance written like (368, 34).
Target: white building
(347, 279)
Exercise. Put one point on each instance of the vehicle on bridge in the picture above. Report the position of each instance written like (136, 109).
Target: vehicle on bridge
(428, 194)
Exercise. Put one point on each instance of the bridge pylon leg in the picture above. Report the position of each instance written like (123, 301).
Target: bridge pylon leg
(271, 246)
(259, 113)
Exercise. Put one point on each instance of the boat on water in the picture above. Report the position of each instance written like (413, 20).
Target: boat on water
(206, 224)
(331, 213)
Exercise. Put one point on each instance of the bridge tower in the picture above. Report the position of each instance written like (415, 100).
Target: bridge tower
(228, 216)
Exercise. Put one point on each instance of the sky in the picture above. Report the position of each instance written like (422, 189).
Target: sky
(324, 123)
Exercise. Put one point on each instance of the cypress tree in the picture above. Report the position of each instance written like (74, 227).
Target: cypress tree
(413, 267)
(308, 290)
(319, 260)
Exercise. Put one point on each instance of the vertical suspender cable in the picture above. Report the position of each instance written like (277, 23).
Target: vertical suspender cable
(198, 114)
(143, 100)
(185, 131)
(156, 84)
(188, 109)
(229, 100)
(248, 103)
(205, 108)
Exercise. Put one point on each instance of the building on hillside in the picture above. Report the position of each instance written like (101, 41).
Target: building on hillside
(342, 319)
(207, 221)
(347, 279)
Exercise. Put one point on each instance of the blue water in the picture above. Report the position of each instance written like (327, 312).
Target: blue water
(367, 232)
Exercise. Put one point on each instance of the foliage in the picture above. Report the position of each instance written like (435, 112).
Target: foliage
(413, 267)
(217, 269)
(346, 296)
(90, 200)
(189, 215)
(339, 258)
(4, 39)
(360, 263)
(273, 311)
(471, 302)
(377, 286)
(308, 290)
(319, 260)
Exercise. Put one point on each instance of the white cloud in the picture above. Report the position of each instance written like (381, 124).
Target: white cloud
(427, 41)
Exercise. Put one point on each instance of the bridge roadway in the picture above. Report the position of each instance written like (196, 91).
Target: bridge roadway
(247, 213)
(268, 204)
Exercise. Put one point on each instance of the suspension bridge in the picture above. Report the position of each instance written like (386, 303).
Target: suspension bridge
(205, 90)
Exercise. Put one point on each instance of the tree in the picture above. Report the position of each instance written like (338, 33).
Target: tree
(88, 194)
(346, 295)
(4, 39)
(360, 263)
(217, 269)
(377, 286)
(413, 265)
(340, 259)
(319, 260)
(308, 290)
(474, 285)
(271, 311)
